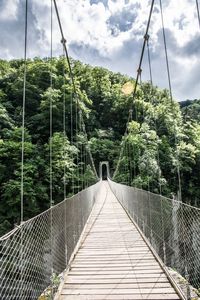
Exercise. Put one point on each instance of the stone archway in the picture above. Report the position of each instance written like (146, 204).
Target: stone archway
(104, 170)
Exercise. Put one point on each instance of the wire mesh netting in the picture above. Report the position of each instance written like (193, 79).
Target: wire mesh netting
(41, 246)
(172, 228)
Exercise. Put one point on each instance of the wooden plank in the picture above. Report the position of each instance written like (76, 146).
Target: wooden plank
(141, 250)
(105, 280)
(116, 259)
(112, 252)
(107, 291)
(149, 277)
(114, 267)
(121, 297)
(115, 275)
(116, 285)
(114, 272)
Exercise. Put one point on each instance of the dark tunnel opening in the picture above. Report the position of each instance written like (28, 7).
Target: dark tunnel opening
(104, 172)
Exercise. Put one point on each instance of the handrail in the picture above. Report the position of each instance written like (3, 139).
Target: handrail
(171, 227)
(30, 252)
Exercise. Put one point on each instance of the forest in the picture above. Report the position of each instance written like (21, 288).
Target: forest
(162, 135)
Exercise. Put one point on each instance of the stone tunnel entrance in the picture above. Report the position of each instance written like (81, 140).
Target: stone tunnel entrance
(104, 171)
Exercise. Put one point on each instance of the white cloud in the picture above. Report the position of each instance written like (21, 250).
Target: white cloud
(104, 35)
(9, 9)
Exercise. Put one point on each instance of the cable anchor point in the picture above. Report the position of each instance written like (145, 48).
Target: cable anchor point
(63, 41)
(146, 37)
(139, 71)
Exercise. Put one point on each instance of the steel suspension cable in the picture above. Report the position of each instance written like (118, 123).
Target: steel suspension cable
(121, 149)
(119, 160)
(126, 161)
(85, 164)
(198, 12)
(51, 112)
(71, 132)
(64, 45)
(77, 145)
(22, 148)
(139, 70)
(151, 82)
(143, 48)
(142, 113)
(158, 158)
(178, 168)
(89, 150)
(149, 60)
(155, 122)
(64, 128)
(125, 165)
(83, 156)
(166, 51)
(51, 148)
(143, 119)
(81, 149)
(69, 64)
(23, 110)
(130, 152)
(64, 151)
(170, 90)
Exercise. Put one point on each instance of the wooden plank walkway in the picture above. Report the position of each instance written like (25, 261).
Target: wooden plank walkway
(113, 260)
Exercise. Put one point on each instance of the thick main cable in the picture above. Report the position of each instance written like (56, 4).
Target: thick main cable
(64, 45)
(166, 52)
(198, 12)
(139, 70)
(149, 61)
(69, 64)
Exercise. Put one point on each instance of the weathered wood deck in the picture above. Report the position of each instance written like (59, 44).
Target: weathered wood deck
(113, 260)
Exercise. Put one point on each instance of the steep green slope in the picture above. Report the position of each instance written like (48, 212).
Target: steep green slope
(159, 138)
(191, 109)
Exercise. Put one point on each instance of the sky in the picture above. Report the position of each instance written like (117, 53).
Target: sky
(109, 33)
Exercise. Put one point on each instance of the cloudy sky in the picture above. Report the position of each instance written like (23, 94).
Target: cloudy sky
(109, 33)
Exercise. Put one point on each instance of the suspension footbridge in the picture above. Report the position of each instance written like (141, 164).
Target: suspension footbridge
(113, 260)
(108, 240)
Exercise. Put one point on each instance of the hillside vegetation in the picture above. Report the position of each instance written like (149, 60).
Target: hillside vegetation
(160, 137)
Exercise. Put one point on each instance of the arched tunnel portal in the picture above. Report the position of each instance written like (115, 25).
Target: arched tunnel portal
(104, 170)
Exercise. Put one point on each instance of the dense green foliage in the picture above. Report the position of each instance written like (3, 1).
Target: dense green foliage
(66, 158)
(160, 142)
(191, 110)
(160, 137)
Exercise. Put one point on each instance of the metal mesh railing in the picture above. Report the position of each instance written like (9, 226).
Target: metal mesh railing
(31, 252)
(172, 228)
